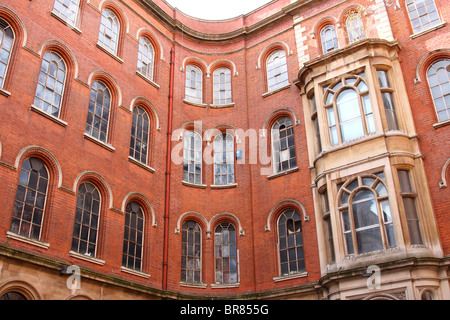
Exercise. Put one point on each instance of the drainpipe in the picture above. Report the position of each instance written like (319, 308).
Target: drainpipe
(168, 172)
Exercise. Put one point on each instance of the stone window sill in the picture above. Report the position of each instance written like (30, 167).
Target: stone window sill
(48, 115)
(109, 53)
(225, 285)
(140, 74)
(37, 243)
(195, 104)
(140, 164)
(193, 285)
(60, 19)
(107, 146)
(269, 93)
(224, 186)
(5, 93)
(421, 33)
(441, 124)
(291, 276)
(194, 185)
(86, 257)
(220, 106)
(282, 173)
(135, 272)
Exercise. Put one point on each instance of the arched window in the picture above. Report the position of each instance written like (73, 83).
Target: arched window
(283, 145)
(276, 66)
(50, 87)
(140, 129)
(87, 218)
(6, 46)
(222, 86)
(290, 242)
(191, 252)
(223, 159)
(355, 26)
(99, 111)
(225, 253)
(438, 76)
(31, 197)
(12, 295)
(194, 84)
(67, 10)
(133, 238)
(146, 57)
(349, 110)
(422, 14)
(108, 36)
(328, 39)
(192, 157)
(366, 215)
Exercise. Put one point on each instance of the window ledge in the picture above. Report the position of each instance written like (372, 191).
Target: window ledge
(441, 124)
(194, 185)
(107, 146)
(109, 53)
(193, 285)
(220, 106)
(48, 115)
(86, 257)
(282, 173)
(195, 104)
(223, 186)
(60, 19)
(135, 272)
(5, 93)
(224, 285)
(37, 243)
(140, 164)
(291, 276)
(440, 25)
(140, 74)
(269, 93)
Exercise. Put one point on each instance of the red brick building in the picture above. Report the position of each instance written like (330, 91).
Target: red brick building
(298, 151)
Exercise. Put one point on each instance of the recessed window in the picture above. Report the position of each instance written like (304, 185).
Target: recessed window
(31, 197)
(283, 145)
(146, 56)
(223, 159)
(328, 39)
(87, 218)
(349, 110)
(388, 100)
(290, 242)
(133, 238)
(99, 111)
(355, 26)
(422, 14)
(191, 252)
(366, 215)
(6, 46)
(194, 84)
(276, 66)
(140, 129)
(225, 254)
(438, 76)
(222, 86)
(192, 157)
(50, 87)
(108, 36)
(67, 10)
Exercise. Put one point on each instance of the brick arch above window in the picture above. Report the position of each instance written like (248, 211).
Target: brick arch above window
(279, 113)
(427, 60)
(148, 106)
(225, 218)
(154, 40)
(267, 50)
(65, 53)
(194, 216)
(118, 11)
(99, 181)
(144, 202)
(113, 86)
(46, 156)
(282, 206)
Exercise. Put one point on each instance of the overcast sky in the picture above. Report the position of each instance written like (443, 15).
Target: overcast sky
(216, 9)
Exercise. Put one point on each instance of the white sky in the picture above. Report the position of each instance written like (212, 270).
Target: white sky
(216, 9)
